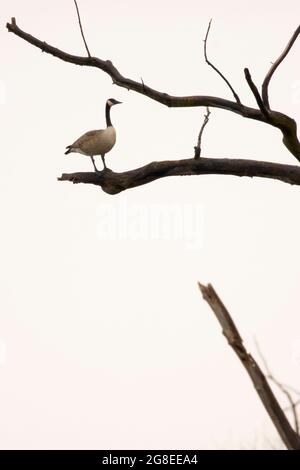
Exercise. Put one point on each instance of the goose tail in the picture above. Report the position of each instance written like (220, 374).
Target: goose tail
(69, 149)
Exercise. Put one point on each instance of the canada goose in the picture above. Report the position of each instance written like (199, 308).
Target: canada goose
(97, 142)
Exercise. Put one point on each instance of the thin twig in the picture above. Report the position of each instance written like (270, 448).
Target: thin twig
(297, 402)
(256, 93)
(198, 146)
(281, 387)
(230, 331)
(215, 68)
(82, 34)
(265, 85)
(292, 389)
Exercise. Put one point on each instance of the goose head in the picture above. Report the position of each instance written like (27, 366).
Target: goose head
(111, 102)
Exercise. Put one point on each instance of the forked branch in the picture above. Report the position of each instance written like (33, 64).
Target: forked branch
(286, 124)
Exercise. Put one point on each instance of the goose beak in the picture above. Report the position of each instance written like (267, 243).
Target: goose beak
(118, 102)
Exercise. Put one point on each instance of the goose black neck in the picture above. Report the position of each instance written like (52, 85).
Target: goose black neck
(107, 115)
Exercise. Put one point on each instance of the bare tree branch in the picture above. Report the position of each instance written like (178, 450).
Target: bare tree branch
(114, 183)
(198, 146)
(256, 93)
(81, 29)
(230, 331)
(118, 79)
(281, 387)
(283, 122)
(237, 99)
(274, 66)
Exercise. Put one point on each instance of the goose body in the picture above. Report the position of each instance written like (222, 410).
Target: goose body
(97, 142)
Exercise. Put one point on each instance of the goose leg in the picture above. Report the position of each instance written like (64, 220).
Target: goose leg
(103, 159)
(93, 161)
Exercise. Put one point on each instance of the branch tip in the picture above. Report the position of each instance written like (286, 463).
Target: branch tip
(266, 82)
(197, 148)
(81, 29)
(236, 97)
(10, 26)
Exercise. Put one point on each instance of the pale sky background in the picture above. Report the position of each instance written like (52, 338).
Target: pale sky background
(105, 341)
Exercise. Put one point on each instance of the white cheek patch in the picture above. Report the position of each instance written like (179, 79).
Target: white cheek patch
(109, 103)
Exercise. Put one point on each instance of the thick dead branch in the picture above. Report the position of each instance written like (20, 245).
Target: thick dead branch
(230, 331)
(114, 183)
(237, 99)
(265, 85)
(81, 29)
(198, 146)
(283, 122)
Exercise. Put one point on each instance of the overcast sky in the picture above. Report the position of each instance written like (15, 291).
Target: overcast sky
(105, 341)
